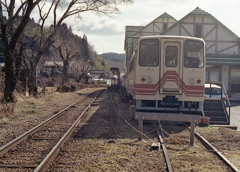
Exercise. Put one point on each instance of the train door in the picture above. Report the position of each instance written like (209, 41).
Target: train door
(170, 80)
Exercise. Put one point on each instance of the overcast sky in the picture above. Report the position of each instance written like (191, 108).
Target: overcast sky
(107, 34)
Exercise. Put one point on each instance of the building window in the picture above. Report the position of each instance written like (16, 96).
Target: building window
(235, 81)
(198, 31)
(165, 26)
(212, 75)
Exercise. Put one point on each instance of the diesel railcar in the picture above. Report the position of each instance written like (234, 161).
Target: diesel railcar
(167, 74)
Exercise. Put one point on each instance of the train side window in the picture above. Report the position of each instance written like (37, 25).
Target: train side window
(171, 56)
(149, 52)
(193, 54)
(132, 63)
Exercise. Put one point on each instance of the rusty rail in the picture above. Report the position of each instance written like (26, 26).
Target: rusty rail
(166, 156)
(214, 150)
(25, 135)
(53, 153)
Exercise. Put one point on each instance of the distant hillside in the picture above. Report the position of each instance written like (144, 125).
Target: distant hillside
(114, 59)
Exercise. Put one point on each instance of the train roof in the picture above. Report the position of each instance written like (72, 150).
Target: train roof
(170, 36)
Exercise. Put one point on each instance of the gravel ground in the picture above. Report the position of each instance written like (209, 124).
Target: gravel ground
(109, 142)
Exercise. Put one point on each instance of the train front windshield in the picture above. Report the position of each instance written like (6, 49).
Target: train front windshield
(193, 54)
(149, 52)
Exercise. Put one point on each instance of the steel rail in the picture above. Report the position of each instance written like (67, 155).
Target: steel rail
(24, 136)
(166, 156)
(43, 166)
(214, 150)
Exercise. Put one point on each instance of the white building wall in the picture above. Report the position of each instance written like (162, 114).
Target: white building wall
(223, 35)
(173, 31)
(207, 29)
(198, 19)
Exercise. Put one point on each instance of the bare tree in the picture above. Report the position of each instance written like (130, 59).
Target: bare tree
(66, 61)
(67, 8)
(12, 30)
(81, 69)
(10, 34)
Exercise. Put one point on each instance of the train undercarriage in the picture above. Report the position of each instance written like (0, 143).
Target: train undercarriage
(169, 104)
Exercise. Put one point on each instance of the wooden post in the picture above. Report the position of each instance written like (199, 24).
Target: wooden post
(140, 127)
(192, 131)
(26, 87)
(132, 110)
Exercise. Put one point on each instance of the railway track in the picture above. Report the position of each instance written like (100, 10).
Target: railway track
(215, 151)
(108, 141)
(200, 141)
(38, 147)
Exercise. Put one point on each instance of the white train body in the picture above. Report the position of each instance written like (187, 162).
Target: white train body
(167, 73)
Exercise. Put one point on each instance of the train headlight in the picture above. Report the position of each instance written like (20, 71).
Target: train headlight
(192, 81)
(149, 79)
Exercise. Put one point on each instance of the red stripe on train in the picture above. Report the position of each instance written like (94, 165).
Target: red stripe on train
(169, 76)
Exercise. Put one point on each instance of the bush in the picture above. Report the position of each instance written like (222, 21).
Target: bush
(66, 88)
(73, 88)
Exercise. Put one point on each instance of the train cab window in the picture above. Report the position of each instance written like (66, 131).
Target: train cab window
(193, 54)
(149, 52)
(171, 56)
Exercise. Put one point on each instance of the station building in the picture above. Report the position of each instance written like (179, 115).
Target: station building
(222, 45)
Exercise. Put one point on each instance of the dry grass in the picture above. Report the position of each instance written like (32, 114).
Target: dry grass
(90, 150)
(27, 112)
(6, 109)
